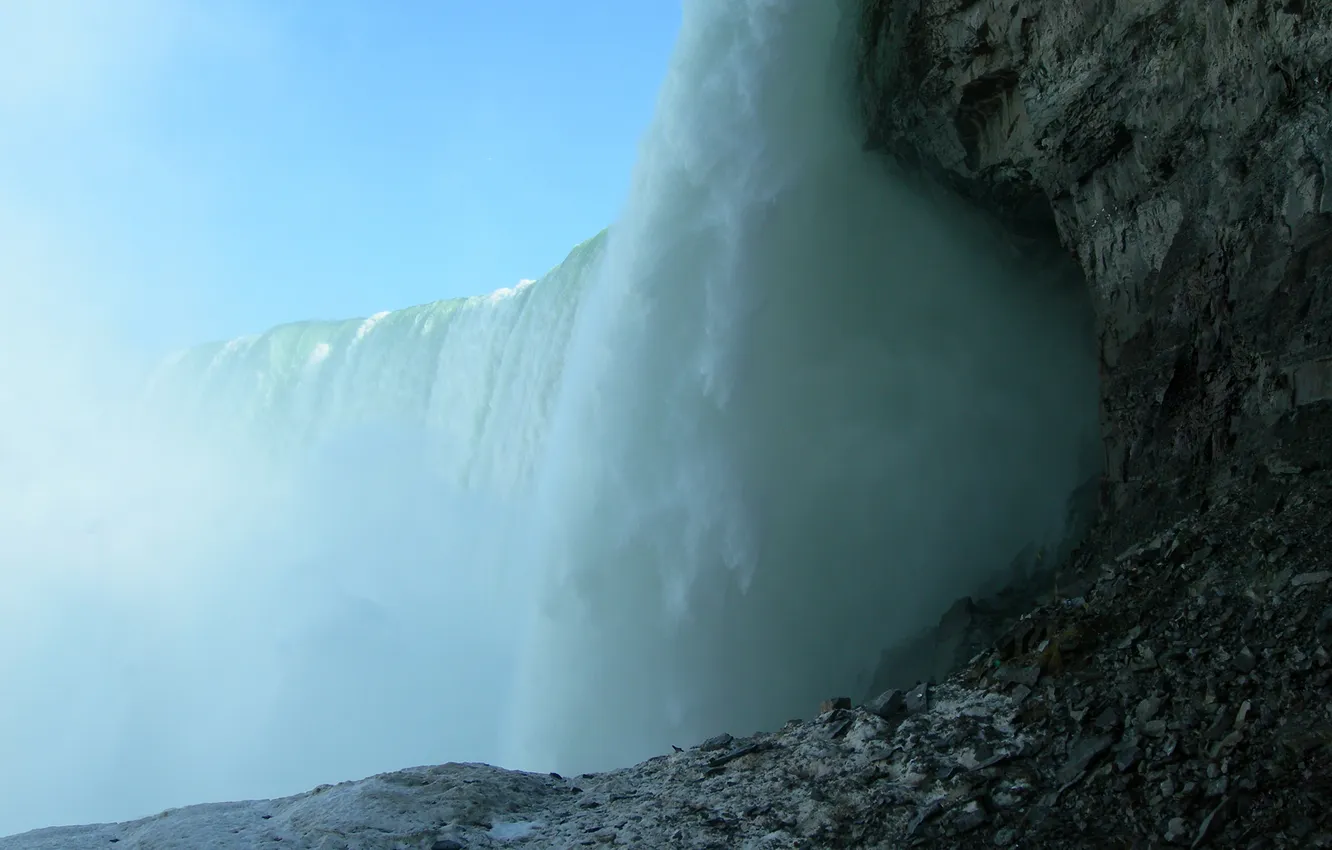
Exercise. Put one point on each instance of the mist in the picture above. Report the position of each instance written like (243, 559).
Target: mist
(810, 402)
(251, 568)
(693, 480)
(189, 615)
(189, 618)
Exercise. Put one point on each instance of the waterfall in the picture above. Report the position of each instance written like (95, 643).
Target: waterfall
(780, 415)
(807, 405)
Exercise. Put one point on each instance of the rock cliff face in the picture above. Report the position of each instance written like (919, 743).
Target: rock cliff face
(1183, 150)
(1176, 691)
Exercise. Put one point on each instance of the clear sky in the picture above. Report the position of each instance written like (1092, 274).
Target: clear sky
(200, 169)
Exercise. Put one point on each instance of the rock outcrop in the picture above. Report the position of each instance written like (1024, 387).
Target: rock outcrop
(1182, 698)
(1175, 691)
(1183, 150)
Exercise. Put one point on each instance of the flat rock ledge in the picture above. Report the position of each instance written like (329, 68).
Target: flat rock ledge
(1182, 698)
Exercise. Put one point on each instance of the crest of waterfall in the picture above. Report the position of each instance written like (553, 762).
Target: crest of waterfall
(693, 480)
(476, 374)
(808, 404)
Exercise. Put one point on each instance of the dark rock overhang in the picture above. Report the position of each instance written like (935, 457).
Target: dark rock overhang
(1182, 151)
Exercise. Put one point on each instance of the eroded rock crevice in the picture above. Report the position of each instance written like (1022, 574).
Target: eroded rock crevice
(1184, 149)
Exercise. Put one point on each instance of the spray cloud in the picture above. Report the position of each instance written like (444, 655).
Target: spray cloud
(691, 481)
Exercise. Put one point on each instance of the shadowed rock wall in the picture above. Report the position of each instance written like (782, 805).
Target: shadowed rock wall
(1182, 149)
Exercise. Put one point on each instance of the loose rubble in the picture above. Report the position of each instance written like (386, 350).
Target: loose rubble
(1177, 692)
(1181, 697)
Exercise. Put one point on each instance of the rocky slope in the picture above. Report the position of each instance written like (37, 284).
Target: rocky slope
(1175, 684)
(1179, 693)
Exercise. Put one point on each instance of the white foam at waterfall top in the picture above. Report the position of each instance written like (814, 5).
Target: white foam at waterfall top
(283, 566)
(691, 481)
(805, 408)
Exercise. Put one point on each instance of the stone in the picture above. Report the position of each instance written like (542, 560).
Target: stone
(1180, 155)
(1084, 752)
(1126, 758)
(1281, 580)
(1317, 577)
(918, 698)
(969, 817)
(1107, 719)
(1177, 831)
(888, 705)
(717, 742)
(1147, 709)
(1245, 661)
(1025, 675)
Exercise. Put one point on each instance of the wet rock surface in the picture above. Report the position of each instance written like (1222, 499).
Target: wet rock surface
(1181, 150)
(1188, 692)
(1174, 687)
(1182, 698)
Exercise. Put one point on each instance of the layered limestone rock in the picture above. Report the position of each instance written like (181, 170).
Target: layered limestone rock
(1182, 149)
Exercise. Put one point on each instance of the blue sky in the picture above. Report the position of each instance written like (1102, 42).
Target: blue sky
(183, 170)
